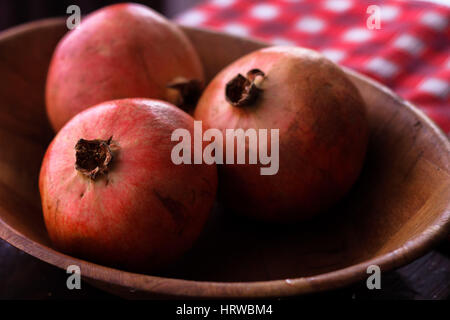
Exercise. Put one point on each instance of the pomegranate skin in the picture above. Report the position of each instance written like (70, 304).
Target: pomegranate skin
(323, 134)
(142, 214)
(120, 51)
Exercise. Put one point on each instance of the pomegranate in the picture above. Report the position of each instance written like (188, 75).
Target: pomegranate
(323, 131)
(110, 192)
(121, 51)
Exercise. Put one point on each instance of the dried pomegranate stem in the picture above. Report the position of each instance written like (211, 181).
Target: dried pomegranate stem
(244, 91)
(184, 93)
(93, 157)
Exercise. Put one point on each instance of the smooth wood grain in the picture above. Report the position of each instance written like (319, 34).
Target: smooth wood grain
(25, 277)
(398, 210)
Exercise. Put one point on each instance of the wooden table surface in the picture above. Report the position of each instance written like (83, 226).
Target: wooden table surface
(25, 277)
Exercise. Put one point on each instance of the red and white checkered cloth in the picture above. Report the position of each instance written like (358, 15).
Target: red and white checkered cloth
(409, 53)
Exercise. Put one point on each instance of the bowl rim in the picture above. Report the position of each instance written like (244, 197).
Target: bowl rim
(172, 287)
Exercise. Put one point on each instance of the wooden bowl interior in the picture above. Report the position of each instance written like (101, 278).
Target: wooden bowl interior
(397, 209)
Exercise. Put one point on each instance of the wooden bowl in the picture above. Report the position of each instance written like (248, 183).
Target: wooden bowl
(397, 211)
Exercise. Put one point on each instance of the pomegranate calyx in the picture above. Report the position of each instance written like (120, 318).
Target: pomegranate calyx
(184, 93)
(244, 91)
(93, 157)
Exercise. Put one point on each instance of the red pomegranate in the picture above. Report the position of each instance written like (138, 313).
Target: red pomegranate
(110, 192)
(323, 131)
(121, 51)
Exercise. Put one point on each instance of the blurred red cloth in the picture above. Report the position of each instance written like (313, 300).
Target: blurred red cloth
(409, 52)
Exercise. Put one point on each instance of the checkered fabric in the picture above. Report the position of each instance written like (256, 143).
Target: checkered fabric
(409, 52)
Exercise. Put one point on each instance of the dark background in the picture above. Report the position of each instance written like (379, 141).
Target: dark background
(14, 12)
